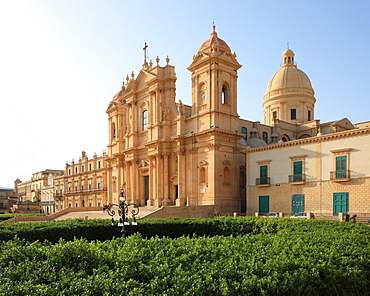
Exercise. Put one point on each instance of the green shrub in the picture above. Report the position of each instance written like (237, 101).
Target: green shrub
(101, 229)
(4, 217)
(316, 262)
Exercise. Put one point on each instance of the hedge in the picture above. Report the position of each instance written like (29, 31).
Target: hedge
(4, 217)
(101, 229)
(315, 262)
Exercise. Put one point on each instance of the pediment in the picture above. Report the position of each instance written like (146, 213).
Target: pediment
(144, 163)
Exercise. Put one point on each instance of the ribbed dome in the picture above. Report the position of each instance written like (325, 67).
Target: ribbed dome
(289, 94)
(214, 44)
(288, 80)
(117, 97)
(289, 77)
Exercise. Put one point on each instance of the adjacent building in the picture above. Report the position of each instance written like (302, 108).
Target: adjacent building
(83, 184)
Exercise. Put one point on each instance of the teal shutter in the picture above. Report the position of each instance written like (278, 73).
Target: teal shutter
(297, 171)
(297, 203)
(340, 203)
(263, 174)
(341, 166)
(264, 204)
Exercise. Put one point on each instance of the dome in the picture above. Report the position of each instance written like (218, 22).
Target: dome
(289, 77)
(214, 44)
(255, 142)
(119, 94)
(289, 94)
(288, 80)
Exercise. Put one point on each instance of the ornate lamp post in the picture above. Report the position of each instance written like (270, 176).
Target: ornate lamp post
(123, 212)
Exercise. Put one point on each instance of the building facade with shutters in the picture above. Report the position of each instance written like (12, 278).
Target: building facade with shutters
(322, 169)
(325, 175)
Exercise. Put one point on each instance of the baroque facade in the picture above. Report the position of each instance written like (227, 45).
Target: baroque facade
(162, 152)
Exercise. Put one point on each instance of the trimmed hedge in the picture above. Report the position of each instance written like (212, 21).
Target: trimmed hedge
(316, 262)
(4, 217)
(101, 229)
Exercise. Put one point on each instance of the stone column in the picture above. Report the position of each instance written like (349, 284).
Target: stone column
(181, 169)
(166, 177)
(135, 198)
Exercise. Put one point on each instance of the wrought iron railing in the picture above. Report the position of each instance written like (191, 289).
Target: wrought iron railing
(263, 181)
(85, 190)
(340, 175)
(297, 178)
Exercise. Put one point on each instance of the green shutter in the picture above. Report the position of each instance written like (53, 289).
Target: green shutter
(297, 171)
(297, 203)
(263, 174)
(341, 166)
(340, 203)
(264, 204)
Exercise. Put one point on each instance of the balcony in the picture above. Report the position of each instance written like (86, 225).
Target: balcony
(262, 182)
(340, 176)
(297, 179)
(86, 191)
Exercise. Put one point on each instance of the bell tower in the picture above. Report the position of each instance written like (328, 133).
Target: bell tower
(214, 84)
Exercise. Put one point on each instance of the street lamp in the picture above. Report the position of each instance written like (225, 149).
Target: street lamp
(123, 212)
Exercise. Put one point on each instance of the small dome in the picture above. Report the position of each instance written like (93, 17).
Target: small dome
(214, 44)
(255, 142)
(118, 95)
(288, 52)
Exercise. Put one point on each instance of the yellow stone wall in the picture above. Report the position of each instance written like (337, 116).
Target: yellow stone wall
(318, 154)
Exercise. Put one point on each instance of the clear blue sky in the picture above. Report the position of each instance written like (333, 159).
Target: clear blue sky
(61, 62)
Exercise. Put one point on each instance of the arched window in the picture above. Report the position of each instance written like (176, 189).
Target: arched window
(202, 175)
(145, 120)
(265, 137)
(113, 130)
(244, 131)
(225, 94)
(226, 175)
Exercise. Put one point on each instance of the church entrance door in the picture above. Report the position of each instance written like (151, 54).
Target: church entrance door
(146, 189)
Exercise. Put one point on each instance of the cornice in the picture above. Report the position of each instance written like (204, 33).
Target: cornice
(317, 139)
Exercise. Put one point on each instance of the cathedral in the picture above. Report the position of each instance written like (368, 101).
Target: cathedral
(163, 153)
